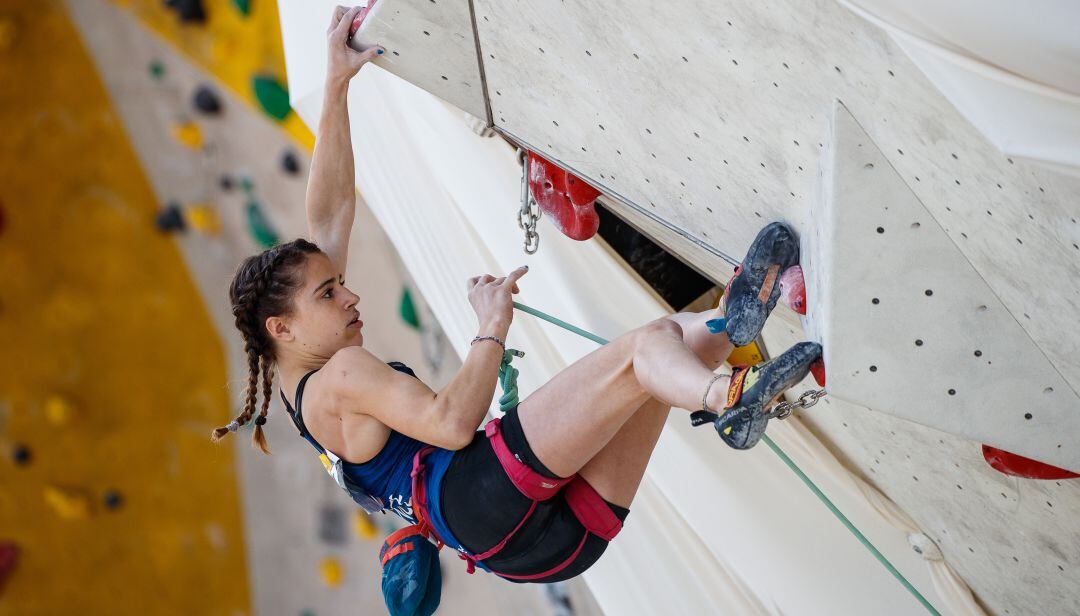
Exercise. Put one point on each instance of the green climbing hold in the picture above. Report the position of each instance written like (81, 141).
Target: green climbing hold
(244, 6)
(272, 96)
(408, 310)
(259, 227)
(157, 69)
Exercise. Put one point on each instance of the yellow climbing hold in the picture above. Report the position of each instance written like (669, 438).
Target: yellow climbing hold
(204, 218)
(58, 410)
(330, 570)
(188, 134)
(363, 525)
(68, 503)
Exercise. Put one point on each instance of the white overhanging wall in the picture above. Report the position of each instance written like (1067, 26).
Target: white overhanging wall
(711, 529)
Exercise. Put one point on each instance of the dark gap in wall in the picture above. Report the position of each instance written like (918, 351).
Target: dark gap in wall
(673, 280)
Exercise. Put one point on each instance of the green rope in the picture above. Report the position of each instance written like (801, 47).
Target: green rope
(508, 380)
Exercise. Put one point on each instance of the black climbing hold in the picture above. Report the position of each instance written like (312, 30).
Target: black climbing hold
(207, 101)
(170, 218)
(190, 11)
(113, 499)
(333, 525)
(290, 163)
(226, 183)
(21, 455)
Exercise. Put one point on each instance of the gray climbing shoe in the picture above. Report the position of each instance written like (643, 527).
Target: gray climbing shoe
(755, 287)
(743, 422)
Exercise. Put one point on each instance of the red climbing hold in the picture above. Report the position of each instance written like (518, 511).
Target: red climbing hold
(818, 370)
(793, 289)
(9, 557)
(359, 19)
(565, 197)
(1019, 466)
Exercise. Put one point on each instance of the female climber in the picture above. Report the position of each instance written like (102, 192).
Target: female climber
(536, 495)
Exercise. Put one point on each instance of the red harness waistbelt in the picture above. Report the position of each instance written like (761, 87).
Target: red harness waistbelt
(588, 506)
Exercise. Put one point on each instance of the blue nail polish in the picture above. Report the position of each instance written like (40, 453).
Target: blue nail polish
(716, 326)
(379, 52)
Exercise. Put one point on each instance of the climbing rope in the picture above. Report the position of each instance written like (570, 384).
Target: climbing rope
(508, 380)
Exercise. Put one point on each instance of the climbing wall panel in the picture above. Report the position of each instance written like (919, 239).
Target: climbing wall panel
(112, 371)
(943, 351)
(711, 123)
(232, 44)
(431, 45)
(1012, 541)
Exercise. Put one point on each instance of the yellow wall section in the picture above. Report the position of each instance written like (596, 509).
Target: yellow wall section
(97, 306)
(229, 45)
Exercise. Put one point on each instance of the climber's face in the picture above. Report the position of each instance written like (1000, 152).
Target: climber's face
(325, 318)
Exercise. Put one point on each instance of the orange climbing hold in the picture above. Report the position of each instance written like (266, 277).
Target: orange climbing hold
(563, 196)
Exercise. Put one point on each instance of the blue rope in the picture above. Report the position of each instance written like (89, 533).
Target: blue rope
(508, 380)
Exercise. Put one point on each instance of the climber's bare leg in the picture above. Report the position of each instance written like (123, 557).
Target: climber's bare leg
(617, 469)
(602, 415)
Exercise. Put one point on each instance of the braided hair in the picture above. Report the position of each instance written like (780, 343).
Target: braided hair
(263, 287)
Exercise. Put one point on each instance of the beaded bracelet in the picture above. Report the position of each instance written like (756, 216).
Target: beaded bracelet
(495, 338)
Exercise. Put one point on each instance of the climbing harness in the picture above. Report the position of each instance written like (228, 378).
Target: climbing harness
(806, 400)
(585, 503)
(529, 213)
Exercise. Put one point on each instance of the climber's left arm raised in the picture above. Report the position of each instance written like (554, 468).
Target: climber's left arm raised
(331, 191)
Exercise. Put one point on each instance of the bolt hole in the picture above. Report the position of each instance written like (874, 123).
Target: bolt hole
(918, 342)
(1048, 390)
(875, 301)
(873, 368)
(929, 292)
(952, 392)
(978, 353)
(915, 225)
(1028, 415)
(881, 229)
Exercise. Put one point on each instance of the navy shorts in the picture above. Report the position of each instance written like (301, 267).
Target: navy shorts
(481, 506)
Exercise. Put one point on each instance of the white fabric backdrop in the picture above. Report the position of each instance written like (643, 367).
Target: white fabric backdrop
(712, 530)
(1011, 68)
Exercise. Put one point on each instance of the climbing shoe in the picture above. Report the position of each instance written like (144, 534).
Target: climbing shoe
(745, 417)
(755, 287)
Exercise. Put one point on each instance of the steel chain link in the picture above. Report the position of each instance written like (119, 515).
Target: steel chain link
(808, 399)
(529, 214)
